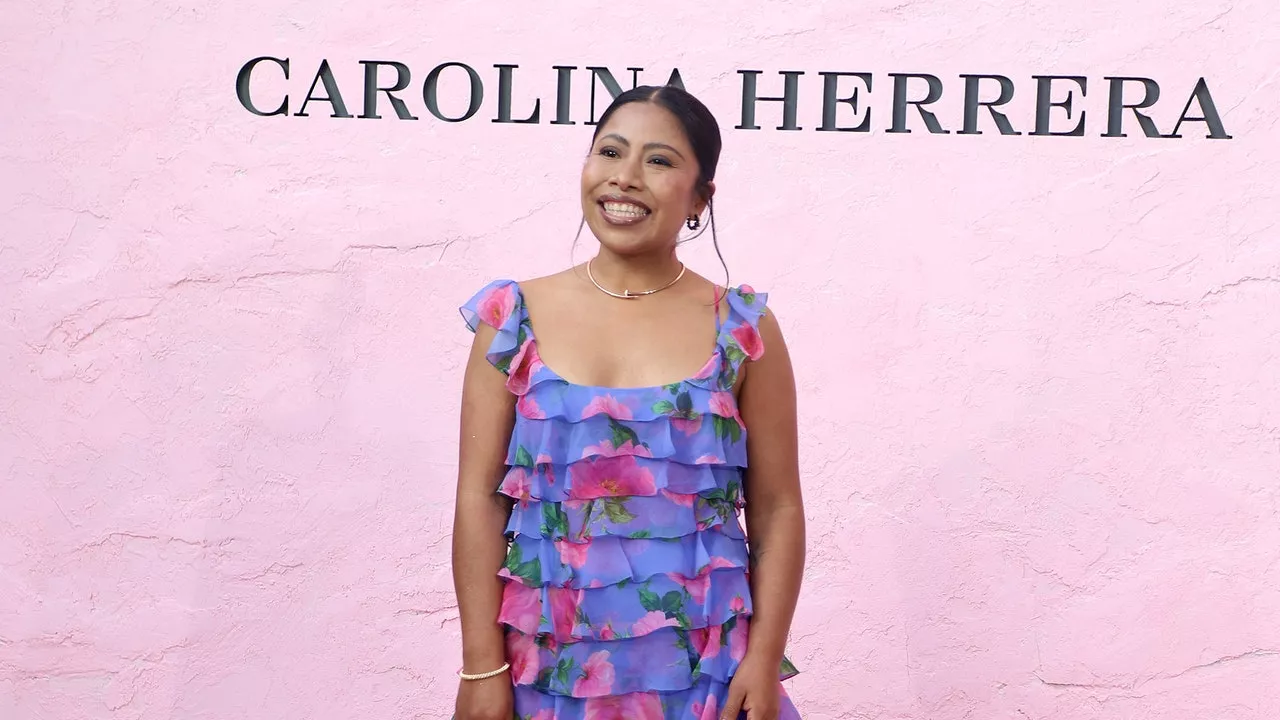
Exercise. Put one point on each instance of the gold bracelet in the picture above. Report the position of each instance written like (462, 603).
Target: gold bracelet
(485, 676)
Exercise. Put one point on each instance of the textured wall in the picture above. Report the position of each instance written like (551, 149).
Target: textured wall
(1038, 374)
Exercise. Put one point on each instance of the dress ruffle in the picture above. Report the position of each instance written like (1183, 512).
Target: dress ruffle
(609, 560)
(626, 588)
(665, 515)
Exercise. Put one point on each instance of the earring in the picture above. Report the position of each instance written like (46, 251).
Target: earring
(693, 223)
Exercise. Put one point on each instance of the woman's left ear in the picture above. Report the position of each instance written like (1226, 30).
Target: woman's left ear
(704, 198)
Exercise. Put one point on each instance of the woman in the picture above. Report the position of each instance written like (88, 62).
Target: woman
(623, 591)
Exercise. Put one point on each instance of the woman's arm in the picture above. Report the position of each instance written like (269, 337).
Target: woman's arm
(775, 510)
(480, 514)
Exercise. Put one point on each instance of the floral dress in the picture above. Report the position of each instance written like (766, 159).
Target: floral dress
(626, 592)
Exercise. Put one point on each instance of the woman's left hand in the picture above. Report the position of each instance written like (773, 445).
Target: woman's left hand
(754, 690)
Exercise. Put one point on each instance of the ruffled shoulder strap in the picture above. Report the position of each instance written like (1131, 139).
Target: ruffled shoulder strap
(499, 305)
(740, 335)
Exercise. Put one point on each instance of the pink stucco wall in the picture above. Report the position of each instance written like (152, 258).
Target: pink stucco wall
(1038, 375)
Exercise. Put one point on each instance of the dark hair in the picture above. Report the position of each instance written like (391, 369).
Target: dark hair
(701, 130)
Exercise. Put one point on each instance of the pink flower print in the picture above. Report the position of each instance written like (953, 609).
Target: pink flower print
(636, 706)
(573, 554)
(518, 485)
(707, 641)
(606, 449)
(715, 638)
(688, 426)
(564, 610)
(496, 306)
(697, 586)
(543, 715)
(522, 652)
(748, 339)
(708, 711)
(649, 622)
(597, 676)
(607, 633)
(709, 369)
(521, 607)
(523, 366)
(680, 498)
(528, 407)
(607, 405)
(611, 477)
(709, 460)
(724, 404)
(737, 605)
(738, 638)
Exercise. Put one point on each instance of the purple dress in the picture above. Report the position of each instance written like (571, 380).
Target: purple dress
(626, 592)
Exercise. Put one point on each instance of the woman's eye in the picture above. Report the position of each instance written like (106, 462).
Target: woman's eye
(659, 160)
(609, 152)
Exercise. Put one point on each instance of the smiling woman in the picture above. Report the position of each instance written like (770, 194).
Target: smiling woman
(610, 575)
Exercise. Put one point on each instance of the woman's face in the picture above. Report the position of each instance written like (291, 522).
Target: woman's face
(639, 182)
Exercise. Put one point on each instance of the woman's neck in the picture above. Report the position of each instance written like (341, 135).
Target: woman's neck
(634, 272)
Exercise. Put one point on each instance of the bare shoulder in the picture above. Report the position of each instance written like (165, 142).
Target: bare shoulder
(553, 287)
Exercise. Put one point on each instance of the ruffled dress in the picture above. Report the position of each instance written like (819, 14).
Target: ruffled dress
(626, 592)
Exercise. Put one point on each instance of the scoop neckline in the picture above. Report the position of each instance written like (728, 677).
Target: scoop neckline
(717, 353)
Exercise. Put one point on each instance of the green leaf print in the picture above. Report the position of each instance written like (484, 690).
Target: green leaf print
(787, 668)
(617, 512)
(622, 434)
(504, 364)
(585, 531)
(728, 376)
(664, 407)
(674, 387)
(555, 522)
(727, 428)
(641, 535)
(673, 603)
(523, 458)
(563, 670)
(682, 639)
(684, 402)
(747, 297)
(735, 353)
(544, 678)
(649, 600)
(530, 572)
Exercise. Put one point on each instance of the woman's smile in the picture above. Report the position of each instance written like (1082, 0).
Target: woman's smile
(620, 210)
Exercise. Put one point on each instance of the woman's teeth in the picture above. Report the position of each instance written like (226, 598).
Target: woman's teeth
(625, 210)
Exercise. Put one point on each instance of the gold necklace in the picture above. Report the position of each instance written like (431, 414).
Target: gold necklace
(627, 294)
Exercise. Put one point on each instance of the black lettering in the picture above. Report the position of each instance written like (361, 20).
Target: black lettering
(242, 86)
(325, 75)
(1209, 112)
(1044, 91)
(1116, 106)
(430, 91)
(972, 103)
(564, 79)
(504, 98)
(789, 99)
(830, 88)
(900, 102)
(610, 84)
(371, 89)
